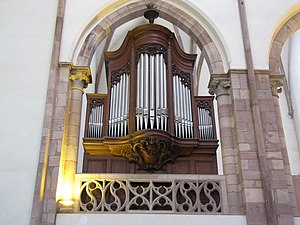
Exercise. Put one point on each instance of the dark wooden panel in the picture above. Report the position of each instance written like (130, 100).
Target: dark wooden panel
(193, 164)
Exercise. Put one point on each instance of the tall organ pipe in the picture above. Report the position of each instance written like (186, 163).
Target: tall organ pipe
(126, 103)
(175, 101)
(142, 90)
(152, 113)
(165, 92)
(158, 96)
(146, 87)
(138, 96)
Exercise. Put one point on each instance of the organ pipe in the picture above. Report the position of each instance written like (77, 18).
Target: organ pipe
(151, 100)
(146, 89)
(95, 122)
(183, 121)
(151, 108)
(165, 93)
(158, 96)
(119, 107)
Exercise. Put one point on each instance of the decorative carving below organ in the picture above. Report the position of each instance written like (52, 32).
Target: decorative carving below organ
(149, 152)
(150, 115)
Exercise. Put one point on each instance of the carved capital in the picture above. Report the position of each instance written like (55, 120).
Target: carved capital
(80, 76)
(219, 85)
(276, 84)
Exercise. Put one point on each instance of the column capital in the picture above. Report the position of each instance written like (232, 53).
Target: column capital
(80, 73)
(276, 84)
(219, 84)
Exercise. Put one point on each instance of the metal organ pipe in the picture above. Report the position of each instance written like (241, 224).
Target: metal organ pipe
(142, 91)
(181, 107)
(118, 111)
(126, 101)
(101, 121)
(175, 102)
(119, 107)
(138, 103)
(165, 92)
(157, 89)
(152, 114)
(95, 122)
(151, 109)
(190, 114)
(162, 89)
(183, 121)
(205, 124)
(111, 113)
(146, 90)
(161, 106)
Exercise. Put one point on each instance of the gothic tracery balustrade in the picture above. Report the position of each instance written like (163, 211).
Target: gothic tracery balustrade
(127, 195)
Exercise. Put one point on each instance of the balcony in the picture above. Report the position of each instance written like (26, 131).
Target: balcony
(150, 193)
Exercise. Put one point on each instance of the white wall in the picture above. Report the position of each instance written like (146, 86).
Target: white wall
(294, 81)
(263, 17)
(287, 121)
(148, 219)
(77, 16)
(26, 37)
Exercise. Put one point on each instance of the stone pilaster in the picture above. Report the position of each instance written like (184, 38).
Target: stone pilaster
(44, 205)
(220, 85)
(246, 150)
(79, 78)
(273, 159)
(276, 84)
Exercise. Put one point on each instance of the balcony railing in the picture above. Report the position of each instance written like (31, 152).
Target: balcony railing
(133, 193)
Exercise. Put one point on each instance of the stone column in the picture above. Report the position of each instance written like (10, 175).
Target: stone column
(276, 83)
(79, 78)
(272, 159)
(220, 85)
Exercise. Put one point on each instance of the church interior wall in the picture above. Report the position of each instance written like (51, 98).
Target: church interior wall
(263, 18)
(27, 29)
(289, 120)
(26, 45)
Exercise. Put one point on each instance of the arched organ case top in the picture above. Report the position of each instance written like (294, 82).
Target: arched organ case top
(150, 115)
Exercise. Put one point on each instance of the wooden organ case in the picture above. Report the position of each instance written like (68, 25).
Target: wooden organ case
(150, 120)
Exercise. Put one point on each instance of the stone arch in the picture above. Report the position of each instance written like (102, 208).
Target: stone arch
(167, 11)
(290, 23)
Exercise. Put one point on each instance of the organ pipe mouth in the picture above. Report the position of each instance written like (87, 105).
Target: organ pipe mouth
(151, 13)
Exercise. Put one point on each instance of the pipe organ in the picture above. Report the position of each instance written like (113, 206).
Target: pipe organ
(150, 116)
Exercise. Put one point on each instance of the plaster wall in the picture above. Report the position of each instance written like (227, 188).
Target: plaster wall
(263, 18)
(27, 29)
(294, 80)
(287, 121)
(148, 219)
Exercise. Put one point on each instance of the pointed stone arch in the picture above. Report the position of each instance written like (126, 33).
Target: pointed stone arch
(167, 11)
(290, 24)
